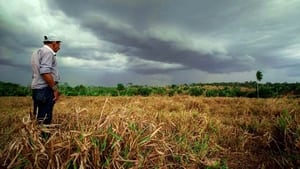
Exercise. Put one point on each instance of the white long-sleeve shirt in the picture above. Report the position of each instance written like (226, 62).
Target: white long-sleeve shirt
(43, 61)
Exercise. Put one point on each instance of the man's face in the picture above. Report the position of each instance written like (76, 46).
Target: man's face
(56, 46)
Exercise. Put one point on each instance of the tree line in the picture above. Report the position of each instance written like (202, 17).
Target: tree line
(231, 89)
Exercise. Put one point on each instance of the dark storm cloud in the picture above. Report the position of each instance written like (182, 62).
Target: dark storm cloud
(156, 38)
(135, 12)
(8, 62)
(16, 44)
(15, 40)
(145, 46)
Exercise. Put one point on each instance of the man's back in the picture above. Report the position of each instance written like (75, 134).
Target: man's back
(43, 61)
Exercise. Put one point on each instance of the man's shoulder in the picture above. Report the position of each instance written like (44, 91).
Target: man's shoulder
(45, 47)
(44, 51)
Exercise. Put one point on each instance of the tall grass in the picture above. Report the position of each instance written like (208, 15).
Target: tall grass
(152, 132)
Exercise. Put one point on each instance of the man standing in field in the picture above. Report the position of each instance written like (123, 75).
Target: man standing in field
(45, 78)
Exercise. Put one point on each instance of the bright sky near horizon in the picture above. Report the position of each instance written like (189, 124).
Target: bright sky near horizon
(157, 42)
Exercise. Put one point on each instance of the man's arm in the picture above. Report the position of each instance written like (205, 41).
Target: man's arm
(49, 79)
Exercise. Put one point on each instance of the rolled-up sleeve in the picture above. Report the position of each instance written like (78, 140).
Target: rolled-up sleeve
(46, 61)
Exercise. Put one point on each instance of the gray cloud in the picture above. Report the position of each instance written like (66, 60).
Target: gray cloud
(202, 15)
(146, 46)
(159, 39)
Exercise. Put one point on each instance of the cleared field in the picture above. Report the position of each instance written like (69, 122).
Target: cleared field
(153, 132)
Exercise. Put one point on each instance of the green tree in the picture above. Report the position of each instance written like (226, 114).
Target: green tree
(120, 88)
(196, 91)
(80, 90)
(259, 77)
(144, 91)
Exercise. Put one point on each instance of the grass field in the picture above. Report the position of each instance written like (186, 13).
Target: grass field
(153, 132)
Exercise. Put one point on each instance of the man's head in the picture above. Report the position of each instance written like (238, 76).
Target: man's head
(53, 42)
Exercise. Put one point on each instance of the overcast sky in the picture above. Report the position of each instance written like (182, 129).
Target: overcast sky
(154, 42)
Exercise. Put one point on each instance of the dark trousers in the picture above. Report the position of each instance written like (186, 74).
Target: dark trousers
(43, 104)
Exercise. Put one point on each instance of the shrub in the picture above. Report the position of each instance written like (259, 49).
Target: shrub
(195, 91)
(144, 91)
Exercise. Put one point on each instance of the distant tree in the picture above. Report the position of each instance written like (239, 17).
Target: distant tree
(80, 90)
(120, 88)
(132, 91)
(212, 93)
(144, 91)
(259, 77)
(196, 91)
(173, 86)
(171, 92)
(159, 91)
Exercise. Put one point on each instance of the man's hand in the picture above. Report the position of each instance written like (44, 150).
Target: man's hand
(49, 79)
(56, 95)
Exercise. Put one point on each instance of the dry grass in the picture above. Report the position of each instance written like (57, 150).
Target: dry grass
(152, 132)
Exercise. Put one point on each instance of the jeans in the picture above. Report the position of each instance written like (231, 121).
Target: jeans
(43, 104)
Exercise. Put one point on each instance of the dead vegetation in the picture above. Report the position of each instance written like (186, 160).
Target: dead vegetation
(152, 132)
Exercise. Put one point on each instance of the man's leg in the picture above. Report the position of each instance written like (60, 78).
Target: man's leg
(48, 110)
(43, 102)
(43, 99)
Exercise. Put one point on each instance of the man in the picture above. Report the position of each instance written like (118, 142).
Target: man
(45, 78)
